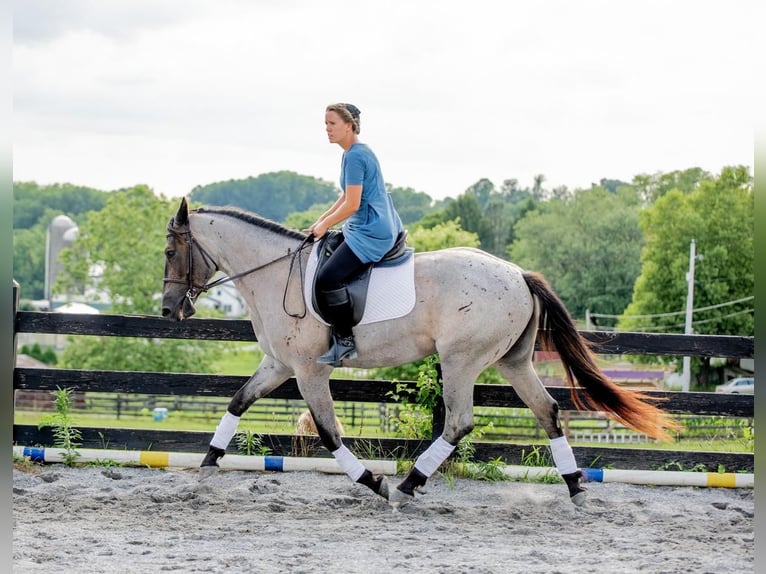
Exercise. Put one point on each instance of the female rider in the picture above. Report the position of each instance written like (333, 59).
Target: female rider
(371, 226)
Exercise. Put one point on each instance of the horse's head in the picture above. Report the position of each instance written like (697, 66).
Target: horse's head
(187, 268)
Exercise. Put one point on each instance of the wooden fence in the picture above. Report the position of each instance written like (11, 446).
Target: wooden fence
(362, 391)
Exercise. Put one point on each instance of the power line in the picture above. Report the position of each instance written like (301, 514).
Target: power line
(655, 328)
(671, 314)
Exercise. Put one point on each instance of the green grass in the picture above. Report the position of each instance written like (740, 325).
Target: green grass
(239, 359)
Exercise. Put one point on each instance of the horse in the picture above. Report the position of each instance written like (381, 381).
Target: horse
(474, 309)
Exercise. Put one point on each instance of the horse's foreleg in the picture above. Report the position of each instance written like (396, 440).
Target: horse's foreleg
(530, 389)
(319, 400)
(267, 377)
(458, 402)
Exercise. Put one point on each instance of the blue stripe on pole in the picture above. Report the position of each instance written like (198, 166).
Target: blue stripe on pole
(35, 454)
(593, 474)
(273, 463)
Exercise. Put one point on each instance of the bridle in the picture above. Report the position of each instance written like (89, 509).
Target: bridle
(194, 290)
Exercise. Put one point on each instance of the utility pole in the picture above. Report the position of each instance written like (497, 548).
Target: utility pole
(686, 377)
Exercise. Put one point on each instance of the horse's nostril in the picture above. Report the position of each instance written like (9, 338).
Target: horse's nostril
(166, 311)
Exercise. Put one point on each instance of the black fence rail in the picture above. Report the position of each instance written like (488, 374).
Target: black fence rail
(363, 391)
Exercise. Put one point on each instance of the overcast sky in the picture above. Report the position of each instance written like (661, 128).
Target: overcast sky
(175, 94)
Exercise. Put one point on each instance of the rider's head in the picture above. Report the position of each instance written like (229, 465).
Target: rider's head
(349, 113)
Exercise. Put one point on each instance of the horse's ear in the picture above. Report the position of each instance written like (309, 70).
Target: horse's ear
(182, 216)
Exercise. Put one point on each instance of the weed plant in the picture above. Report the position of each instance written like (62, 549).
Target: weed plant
(65, 436)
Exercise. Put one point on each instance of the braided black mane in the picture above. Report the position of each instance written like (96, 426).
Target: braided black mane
(254, 219)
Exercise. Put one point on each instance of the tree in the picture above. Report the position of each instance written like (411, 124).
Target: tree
(34, 207)
(272, 195)
(31, 202)
(441, 236)
(652, 187)
(588, 247)
(467, 208)
(410, 204)
(126, 241)
(719, 216)
(304, 219)
(29, 259)
(482, 190)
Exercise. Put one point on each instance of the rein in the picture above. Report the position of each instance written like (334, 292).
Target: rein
(194, 290)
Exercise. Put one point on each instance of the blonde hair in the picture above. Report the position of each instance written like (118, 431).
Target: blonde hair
(349, 113)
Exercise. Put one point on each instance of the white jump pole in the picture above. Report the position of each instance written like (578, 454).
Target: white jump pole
(649, 477)
(157, 459)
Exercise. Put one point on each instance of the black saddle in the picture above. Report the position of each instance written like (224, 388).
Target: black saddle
(358, 284)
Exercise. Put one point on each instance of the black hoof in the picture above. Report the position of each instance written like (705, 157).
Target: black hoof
(214, 454)
(577, 492)
(377, 483)
(405, 490)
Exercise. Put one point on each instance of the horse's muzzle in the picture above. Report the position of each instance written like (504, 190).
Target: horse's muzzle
(179, 312)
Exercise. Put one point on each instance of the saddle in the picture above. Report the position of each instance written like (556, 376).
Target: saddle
(357, 286)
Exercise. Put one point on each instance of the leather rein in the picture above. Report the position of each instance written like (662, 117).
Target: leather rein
(194, 290)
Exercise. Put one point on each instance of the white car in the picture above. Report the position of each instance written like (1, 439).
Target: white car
(738, 386)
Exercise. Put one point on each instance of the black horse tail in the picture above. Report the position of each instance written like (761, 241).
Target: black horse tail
(557, 332)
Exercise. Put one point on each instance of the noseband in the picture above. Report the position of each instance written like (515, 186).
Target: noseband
(193, 290)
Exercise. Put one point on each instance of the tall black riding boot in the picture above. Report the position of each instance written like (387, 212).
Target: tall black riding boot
(339, 309)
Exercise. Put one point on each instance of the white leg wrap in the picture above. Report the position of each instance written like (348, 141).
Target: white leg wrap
(563, 456)
(431, 459)
(348, 463)
(225, 431)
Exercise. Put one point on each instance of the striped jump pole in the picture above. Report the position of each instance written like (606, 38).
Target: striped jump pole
(157, 459)
(648, 477)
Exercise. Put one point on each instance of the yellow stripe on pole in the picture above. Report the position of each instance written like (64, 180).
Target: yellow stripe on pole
(153, 459)
(722, 479)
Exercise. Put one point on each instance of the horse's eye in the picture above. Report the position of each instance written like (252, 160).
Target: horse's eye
(169, 253)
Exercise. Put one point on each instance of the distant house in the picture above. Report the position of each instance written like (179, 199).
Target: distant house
(227, 299)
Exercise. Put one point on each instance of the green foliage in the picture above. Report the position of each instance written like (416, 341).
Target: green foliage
(139, 354)
(33, 203)
(304, 219)
(65, 435)
(467, 209)
(250, 443)
(652, 187)
(126, 241)
(411, 205)
(442, 236)
(48, 356)
(719, 215)
(29, 259)
(271, 195)
(416, 416)
(34, 207)
(539, 456)
(587, 246)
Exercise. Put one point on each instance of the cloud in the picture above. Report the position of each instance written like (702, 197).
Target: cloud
(181, 93)
(40, 21)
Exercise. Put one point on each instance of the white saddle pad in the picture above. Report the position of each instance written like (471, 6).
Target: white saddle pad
(390, 294)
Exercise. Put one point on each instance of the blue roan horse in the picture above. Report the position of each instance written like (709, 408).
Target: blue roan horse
(474, 309)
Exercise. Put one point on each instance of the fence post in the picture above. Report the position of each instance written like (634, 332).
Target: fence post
(16, 289)
(15, 311)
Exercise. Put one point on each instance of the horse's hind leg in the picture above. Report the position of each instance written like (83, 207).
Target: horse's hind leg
(529, 388)
(267, 377)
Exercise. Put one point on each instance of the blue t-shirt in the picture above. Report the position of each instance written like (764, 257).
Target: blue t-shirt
(370, 232)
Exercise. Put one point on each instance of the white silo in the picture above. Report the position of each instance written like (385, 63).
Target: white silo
(61, 233)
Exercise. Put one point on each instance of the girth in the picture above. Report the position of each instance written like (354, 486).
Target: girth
(358, 284)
